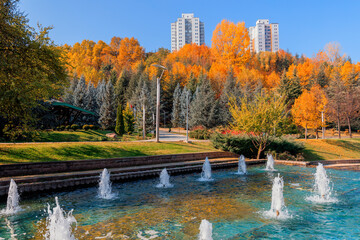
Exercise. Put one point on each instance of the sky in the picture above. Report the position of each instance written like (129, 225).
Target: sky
(305, 26)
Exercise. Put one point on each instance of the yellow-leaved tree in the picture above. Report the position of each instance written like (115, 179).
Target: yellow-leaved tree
(230, 44)
(260, 118)
(308, 107)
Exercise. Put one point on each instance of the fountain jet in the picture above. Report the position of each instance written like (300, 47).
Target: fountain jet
(105, 185)
(59, 224)
(270, 163)
(322, 187)
(205, 230)
(206, 171)
(164, 180)
(278, 209)
(242, 166)
(12, 205)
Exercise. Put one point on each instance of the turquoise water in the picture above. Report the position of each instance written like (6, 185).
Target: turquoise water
(234, 204)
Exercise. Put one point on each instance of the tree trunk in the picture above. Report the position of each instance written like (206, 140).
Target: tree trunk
(144, 122)
(338, 123)
(306, 133)
(350, 134)
(259, 152)
(317, 133)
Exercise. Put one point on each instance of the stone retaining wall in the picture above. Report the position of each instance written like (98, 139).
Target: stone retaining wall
(23, 169)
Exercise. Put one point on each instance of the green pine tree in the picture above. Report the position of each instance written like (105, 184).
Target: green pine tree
(120, 127)
(128, 119)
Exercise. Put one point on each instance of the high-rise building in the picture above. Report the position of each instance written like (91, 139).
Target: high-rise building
(264, 36)
(187, 29)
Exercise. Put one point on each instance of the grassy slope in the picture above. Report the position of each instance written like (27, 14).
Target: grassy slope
(78, 136)
(331, 149)
(39, 152)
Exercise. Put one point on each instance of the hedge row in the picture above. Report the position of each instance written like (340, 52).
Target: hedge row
(242, 144)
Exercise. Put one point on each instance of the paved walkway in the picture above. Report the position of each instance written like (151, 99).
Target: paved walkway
(166, 136)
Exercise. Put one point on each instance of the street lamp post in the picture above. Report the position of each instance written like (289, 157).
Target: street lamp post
(187, 117)
(158, 100)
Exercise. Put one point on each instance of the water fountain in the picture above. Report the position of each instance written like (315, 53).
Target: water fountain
(205, 230)
(12, 205)
(59, 224)
(105, 185)
(322, 187)
(242, 166)
(278, 209)
(270, 163)
(206, 171)
(164, 180)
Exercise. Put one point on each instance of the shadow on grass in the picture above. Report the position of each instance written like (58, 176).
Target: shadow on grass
(54, 154)
(311, 155)
(352, 145)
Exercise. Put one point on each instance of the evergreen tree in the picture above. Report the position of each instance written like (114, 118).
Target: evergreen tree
(121, 86)
(107, 111)
(128, 119)
(120, 126)
(231, 89)
(192, 83)
(290, 88)
(69, 92)
(80, 93)
(176, 112)
(90, 98)
(321, 78)
(134, 81)
(203, 110)
(100, 95)
(186, 93)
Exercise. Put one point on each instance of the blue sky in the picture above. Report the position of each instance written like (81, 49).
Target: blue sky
(305, 26)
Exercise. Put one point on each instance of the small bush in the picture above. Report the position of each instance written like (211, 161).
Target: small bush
(103, 138)
(86, 127)
(242, 144)
(75, 127)
(67, 127)
(201, 134)
(60, 128)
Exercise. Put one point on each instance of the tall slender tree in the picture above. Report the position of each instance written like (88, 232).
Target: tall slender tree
(176, 112)
(80, 93)
(107, 111)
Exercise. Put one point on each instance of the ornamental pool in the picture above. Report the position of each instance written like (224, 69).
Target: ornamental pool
(234, 204)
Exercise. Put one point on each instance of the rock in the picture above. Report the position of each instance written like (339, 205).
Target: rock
(111, 135)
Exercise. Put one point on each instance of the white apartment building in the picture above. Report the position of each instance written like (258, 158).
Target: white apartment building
(187, 29)
(264, 36)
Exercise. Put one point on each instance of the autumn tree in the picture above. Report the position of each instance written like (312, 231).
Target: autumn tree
(230, 44)
(308, 107)
(336, 96)
(260, 119)
(130, 52)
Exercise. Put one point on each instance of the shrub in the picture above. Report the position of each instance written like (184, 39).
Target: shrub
(242, 144)
(200, 134)
(67, 127)
(60, 128)
(75, 127)
(86, 127)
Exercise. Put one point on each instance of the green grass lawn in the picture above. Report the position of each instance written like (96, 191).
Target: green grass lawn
(41, 152)
(78, 136)
(331, 149)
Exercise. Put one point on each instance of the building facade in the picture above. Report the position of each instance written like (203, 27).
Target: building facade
(264, 36)
(186, 30)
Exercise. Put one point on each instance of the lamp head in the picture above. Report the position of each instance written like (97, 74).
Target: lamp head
(159, 66)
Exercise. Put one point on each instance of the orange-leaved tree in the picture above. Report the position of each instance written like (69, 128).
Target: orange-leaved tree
(308, 107)
(230, 44)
